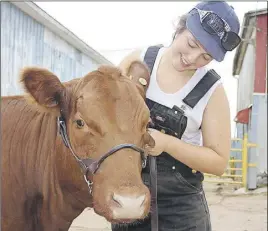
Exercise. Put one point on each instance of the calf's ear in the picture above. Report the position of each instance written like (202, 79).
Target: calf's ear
(44, 87)
(139, 73)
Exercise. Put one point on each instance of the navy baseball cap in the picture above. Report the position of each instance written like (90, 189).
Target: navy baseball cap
(212, 43)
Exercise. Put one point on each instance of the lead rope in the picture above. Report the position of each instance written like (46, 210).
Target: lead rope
(149, 59)
(153, 185)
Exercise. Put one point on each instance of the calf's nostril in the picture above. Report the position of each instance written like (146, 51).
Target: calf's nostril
(142, 200)
(116, 200)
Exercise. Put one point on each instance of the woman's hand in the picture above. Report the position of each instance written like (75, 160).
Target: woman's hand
(161, 141)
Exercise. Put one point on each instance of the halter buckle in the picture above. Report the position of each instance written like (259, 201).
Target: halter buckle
(89, 184)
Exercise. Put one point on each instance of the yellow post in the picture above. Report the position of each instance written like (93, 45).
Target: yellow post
(245, 160)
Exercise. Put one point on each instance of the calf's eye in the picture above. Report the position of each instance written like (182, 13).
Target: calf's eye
(80, 123)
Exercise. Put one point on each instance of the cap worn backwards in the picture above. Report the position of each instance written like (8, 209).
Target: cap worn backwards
(212, 43)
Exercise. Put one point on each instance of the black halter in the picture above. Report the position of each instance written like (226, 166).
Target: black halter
(89, 165)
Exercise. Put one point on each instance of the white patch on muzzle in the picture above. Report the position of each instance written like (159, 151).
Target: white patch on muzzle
(128, 207)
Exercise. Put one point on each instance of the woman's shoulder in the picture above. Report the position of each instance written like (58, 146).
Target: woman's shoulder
(214, 92)
(218, 101)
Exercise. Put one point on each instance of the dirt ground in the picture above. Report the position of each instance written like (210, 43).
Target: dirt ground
(229, 212)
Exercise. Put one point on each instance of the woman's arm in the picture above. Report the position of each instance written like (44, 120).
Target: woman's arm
(213, 156)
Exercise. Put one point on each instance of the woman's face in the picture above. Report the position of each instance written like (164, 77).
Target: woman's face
(188, 53)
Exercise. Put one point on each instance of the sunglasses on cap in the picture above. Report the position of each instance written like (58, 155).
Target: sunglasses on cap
(214, 24)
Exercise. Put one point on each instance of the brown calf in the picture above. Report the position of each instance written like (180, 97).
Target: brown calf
(42, 185)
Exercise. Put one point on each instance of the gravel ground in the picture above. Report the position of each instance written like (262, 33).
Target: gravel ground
(229, 212)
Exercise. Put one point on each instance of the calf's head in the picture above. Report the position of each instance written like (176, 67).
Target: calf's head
(103, 109)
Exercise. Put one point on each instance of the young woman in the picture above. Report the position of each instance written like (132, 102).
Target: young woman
(207, 32)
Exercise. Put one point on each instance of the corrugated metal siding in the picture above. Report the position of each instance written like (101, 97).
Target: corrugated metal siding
(25, 42)
(246, 79)
(260, 113)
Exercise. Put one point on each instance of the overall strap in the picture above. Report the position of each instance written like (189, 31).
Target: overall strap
(150, 56)
(201, 88)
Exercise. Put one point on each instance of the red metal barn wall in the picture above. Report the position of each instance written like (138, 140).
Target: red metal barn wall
(261, 55)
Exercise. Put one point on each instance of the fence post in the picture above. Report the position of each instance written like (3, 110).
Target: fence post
(245, 160)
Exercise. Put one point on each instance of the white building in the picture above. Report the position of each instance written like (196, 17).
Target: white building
(31, 37)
